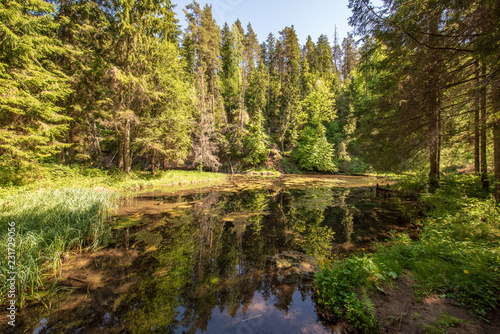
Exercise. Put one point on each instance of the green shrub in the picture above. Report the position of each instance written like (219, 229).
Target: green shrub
(314, 152)
(339, 283)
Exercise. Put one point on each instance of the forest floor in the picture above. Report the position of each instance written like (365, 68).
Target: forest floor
(462, 227)
(400, 310)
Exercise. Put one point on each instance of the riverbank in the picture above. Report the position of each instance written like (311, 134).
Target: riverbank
(158, 238)
(76, 176)
(455, 260)
(66, 210)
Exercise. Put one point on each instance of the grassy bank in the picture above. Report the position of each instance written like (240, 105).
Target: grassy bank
(48, 224)
(63, 209)
(62, 177)
(456, 256)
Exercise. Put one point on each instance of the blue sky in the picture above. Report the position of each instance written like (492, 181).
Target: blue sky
(313, 17)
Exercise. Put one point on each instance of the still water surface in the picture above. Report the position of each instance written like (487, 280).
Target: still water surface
(236, 258)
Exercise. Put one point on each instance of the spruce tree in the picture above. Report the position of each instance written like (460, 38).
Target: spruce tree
(32, 87)
(206, 38)
(291, 116)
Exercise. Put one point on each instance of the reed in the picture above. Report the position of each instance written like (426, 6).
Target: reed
(48, 224)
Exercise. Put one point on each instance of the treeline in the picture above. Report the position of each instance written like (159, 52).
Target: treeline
(116, 83)
(431, 72)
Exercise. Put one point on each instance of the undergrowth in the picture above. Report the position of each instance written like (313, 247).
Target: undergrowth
(456, 255)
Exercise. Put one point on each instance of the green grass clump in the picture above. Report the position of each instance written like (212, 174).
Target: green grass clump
(341, 288)
(63, 208)
(458, 251)
(441, 325)
(48, 224)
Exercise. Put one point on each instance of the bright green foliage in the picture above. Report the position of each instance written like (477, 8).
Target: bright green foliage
(141, 86)
(256, 94)
(106, 83)
(166, 125)
(324, 59)
(231, 74)
(314, 152)
(206, 38)
(319, 104)
(255, 142)
(456, 256)
(309, 53)
(337, 282)
(291, 116)
(32, 87)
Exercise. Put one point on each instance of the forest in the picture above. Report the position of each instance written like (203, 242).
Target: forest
(103, 100)
(117, 85)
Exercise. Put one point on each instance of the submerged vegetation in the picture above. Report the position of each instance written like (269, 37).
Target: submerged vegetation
(457, 255)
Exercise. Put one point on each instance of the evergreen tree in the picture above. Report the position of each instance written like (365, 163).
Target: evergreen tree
(310, 53)
(314, 152)
(324, 57)
(32, 87)
(349, 56)
(206, 38)
(291, 116)
(256, 139)
(143, 30)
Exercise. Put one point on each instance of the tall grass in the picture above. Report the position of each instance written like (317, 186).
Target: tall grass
(61, 208)
(48, 224)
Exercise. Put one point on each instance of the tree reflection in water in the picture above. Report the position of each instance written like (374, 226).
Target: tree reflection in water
(229, 262)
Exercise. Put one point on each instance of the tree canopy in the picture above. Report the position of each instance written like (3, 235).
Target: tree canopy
(116, 84)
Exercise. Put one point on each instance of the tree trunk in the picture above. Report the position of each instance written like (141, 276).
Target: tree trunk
(60, 155)
(482, 128)
(496, 139)
(477, 167)
(434, 111)
(126, 147)
(153, 163)
(243, 88)
(439, 136)
(97, 143)
(119, 139)
(202, 83)
(495, 90)
(71, 150)
(434, 139)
